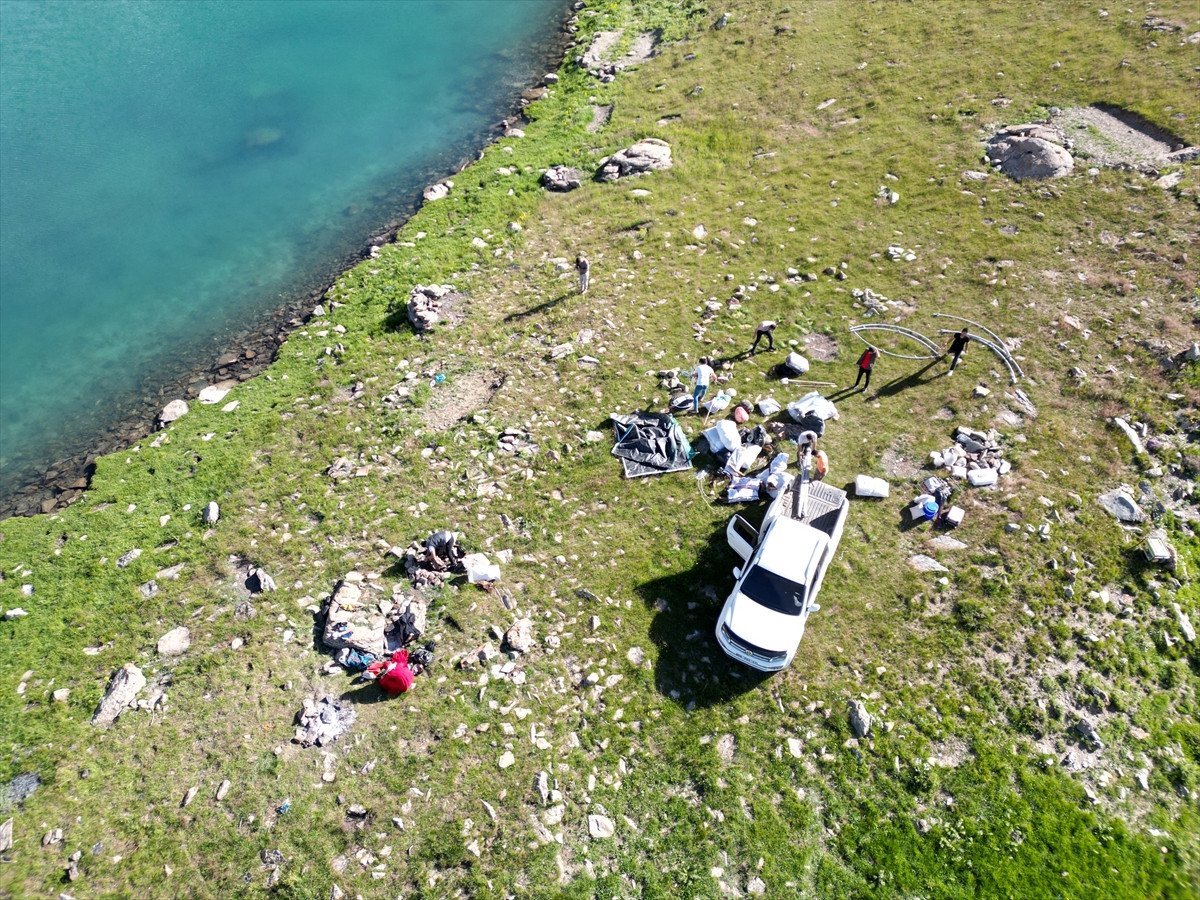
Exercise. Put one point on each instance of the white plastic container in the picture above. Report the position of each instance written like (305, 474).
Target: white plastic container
(982, 477)
(868, 486)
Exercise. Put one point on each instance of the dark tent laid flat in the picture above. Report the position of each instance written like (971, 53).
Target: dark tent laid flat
(650, 444)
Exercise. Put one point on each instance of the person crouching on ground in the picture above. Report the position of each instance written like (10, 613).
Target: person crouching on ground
(703, 376)
(866, 363)
(957, 346)
(764, 330)
(394, 674)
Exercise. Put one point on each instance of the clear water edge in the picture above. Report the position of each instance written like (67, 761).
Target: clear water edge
(275, 271)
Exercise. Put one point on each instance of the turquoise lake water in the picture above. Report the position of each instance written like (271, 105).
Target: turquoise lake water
(171, 172)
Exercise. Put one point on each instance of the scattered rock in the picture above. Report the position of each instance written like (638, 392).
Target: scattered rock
(860, 719)
(600, 827)
(1120, 504)
(259, 582)
(562, 178)
(506, 759)
(756, 886)
(175, 642)
(6, 836)
(215, 393)
(1185, 623)
(212, 512)
(126, 558)
(1087, 731)
(189, 796)
(222, 790)
(123, 688)
(61, 695)
(439, 191)
(923, 563)
(646, 155)
(174, 410)
(519, 638)
(15, 613)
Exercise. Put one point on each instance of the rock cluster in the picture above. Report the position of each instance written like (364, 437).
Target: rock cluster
(1032, 151)
(562, 178)
(430, 305)
(323, 721)
(646, 155)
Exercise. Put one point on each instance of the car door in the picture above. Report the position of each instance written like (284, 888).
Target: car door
(742, 537)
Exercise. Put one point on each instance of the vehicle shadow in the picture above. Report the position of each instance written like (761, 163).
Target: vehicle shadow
(692, 670)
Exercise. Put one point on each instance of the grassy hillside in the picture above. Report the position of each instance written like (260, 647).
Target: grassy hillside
(974, 781)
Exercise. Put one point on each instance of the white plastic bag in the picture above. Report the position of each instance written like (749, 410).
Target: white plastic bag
(812, 402)
(743, 490)
(796, 363)
(723, 436)
(867, 486)
(741, 459)
(777, 482)
(768, 406)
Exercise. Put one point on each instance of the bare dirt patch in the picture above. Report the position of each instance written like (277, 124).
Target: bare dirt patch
(462, 396)
(600, 117)
(820, 347)
(1116, 137)
(897, 466)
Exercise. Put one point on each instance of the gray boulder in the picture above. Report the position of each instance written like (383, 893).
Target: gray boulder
(1034, 151)
(1120, 505)
(647, 155)
(175, 642)
(123, 688)
(176, 409)
(519, 638)
(562, 178)
(212, 512)
(860, 719)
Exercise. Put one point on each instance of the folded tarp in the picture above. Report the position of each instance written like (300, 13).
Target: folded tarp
(812, 403)
(650, 444)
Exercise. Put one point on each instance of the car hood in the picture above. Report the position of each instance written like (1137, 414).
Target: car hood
(763, 627)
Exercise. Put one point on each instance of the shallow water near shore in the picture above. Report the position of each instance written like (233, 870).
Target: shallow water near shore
(171, 173)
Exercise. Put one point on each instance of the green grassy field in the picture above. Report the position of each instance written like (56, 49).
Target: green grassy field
(717, 782)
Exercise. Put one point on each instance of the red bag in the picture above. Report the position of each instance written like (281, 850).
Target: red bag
(397, 677)
(740, 415)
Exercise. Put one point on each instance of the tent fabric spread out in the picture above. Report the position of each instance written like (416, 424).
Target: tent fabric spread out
(650, 444)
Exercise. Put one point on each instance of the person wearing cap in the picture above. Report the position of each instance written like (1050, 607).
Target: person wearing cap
(764, 330)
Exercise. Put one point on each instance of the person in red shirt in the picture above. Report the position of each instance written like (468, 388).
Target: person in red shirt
(866, 362)
(394, 674)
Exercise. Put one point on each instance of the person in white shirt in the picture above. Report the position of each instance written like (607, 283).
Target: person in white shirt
(703, 376)
(765, 330)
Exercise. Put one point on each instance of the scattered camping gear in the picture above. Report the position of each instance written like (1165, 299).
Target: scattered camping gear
(743, 490)
(812, 404)
(723, 436)
(741, 459)
(651, 444)
(768, 406)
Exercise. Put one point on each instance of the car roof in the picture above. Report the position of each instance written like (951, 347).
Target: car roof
(792, 548)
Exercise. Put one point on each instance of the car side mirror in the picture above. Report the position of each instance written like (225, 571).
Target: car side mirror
(737, 571)
(814, 607)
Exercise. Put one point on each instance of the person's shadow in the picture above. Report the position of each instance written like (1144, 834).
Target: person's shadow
(904, 382)
(541, 307)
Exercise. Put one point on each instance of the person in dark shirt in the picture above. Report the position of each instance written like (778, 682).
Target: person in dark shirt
(957, 346)
(584, 269)
(866, 363)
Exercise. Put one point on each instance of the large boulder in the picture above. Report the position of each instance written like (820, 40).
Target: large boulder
(860, 719)
(1033, 151)
(646, 155)
(350, 622)
(562, 178)
(123, 688)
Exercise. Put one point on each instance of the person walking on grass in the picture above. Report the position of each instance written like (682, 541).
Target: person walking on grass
(584, 268)
(702, 375)
(866, 363)
(957, 346)
(764, 330)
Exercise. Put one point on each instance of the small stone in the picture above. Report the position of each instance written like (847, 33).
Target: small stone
(126, 558)
(174, 410)
(61, 695)
(212, 512)
(223, 790)
(15, 613)
(6, 836)
(756, 886)
(519, 638)
(506, 759)
(189, 796)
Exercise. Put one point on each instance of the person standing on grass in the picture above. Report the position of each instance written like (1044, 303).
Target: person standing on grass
(764, 330)
(957, 346)
(584, 268)
(866, 363)
(702, 376)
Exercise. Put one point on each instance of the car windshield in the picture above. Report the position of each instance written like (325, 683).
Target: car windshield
(773, 591)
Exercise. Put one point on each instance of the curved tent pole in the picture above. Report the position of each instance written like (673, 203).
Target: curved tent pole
(1000, 354)
(903, 332)
(995, 337)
